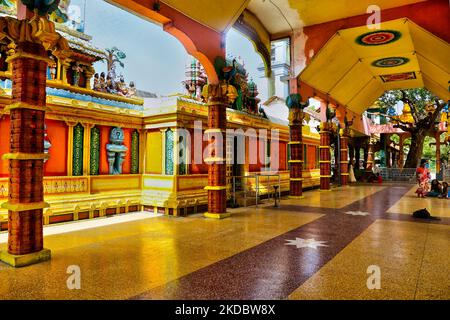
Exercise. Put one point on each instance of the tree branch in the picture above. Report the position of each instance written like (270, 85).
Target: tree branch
(436, 112)
(404, 128)
(413, 111)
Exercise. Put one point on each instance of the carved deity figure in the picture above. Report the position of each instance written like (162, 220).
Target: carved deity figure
(52, 69)
(77, 71)
(132, 91)
(97, 84)
(122, 88)
(102, 82)
(116, 151)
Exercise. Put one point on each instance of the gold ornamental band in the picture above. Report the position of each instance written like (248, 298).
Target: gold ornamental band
(25, 156)
(19, 207)
(25, 55)
(215, 188)
(24, 105)
(215, 159)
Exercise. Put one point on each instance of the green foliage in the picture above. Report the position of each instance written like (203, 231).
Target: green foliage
(419, 97)
(429, 151)
(115, 55)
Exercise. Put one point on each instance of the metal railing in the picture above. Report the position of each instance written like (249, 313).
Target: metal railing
(398, 174)
(251, 188)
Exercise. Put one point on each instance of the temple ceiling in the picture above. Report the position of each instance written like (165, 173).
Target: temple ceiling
(281, 16)
(358, 65)
(219, 15)
(277, 16)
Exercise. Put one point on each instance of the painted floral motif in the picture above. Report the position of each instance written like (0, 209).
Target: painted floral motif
(390, 62)
(135, 152)
(78, 133)
(398, 77)
(95, 151)
(169, 152)
(379, 37)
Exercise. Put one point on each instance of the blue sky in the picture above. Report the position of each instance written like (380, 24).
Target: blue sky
(155, 60)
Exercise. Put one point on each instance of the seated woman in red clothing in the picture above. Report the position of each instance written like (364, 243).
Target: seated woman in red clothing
(423, 177)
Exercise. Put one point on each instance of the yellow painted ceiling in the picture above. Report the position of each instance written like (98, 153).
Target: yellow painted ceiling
(219, 15)
(345, 69)
(279, 16)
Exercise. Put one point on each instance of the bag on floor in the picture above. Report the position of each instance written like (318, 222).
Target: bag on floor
(424, 214)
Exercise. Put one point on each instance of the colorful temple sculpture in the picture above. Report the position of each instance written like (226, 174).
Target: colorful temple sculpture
(99, 136)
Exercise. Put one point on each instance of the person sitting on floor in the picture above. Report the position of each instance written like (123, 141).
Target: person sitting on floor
(436, 189)
(445, 191)
(421, 192)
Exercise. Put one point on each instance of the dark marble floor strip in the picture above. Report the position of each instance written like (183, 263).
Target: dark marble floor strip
(272, 270)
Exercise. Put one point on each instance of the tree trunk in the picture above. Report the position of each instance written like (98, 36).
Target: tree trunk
(416, 149)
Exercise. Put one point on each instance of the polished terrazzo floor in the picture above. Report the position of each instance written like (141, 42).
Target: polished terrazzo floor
(316, 248)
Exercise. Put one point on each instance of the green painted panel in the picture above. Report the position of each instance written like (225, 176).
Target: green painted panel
(78, 142)
(95, 151)
(135, 152)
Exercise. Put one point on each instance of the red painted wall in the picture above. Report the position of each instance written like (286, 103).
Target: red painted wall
(57, 134)
(256, 167)
(197, 168)
(104, 140)
(282, 154)
(127, 142)
(4, 145)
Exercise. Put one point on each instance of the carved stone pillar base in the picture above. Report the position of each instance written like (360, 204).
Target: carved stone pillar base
(18, 261)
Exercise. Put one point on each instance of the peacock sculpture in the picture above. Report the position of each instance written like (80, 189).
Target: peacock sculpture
(294, 101)
(296, 106)
(43, 7)
(331, 114)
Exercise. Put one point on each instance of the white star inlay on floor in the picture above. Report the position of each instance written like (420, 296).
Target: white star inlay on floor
(358, 213)
(306, 243)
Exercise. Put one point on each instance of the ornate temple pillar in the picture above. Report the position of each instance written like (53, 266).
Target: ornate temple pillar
(87, 148)
(26, 157)
(65, 66)
(344, 158)
(70, 126)
(370, 155)
(296, 152)
(32, 36)
(325, 156)
(89, 74)
(216, 133)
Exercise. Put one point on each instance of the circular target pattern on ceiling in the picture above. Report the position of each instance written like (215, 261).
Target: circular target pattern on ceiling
(377, 38)
(390, 62)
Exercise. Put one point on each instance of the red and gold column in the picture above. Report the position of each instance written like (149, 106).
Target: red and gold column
(296, 148)
(370, 156)
(217, 175)
(344, 158)
(26, 157)
(325, 156)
